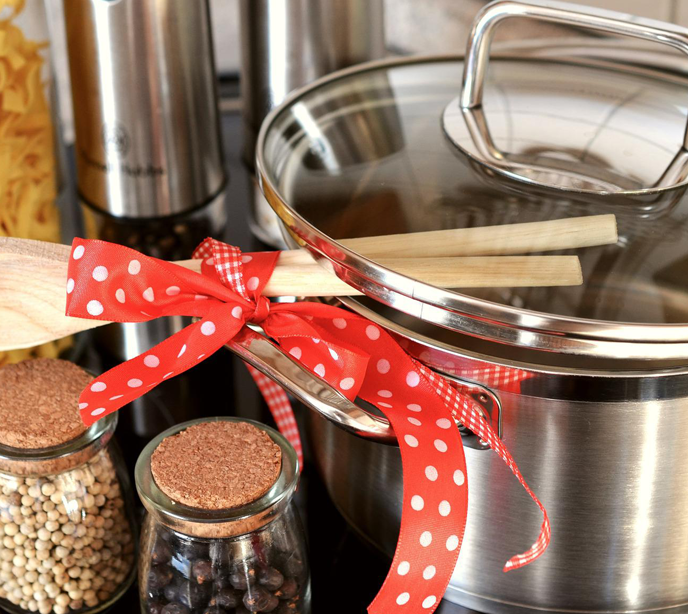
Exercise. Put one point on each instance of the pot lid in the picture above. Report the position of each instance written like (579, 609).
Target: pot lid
(573, 129)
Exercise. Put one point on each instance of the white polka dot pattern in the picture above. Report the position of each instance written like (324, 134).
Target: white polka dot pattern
(100, 273)
(151, 361)
(208, 328)
(430, 601)
(94, 308)
(429, 572)
(355, 356)
(372, 332)
(411, 441)
(440, 445)
(417, 503)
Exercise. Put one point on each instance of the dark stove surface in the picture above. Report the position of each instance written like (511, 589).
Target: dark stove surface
(346, 571)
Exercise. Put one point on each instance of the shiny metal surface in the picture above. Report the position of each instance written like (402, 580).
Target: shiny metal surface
(599, 424)
(561, 165)
(317, 227)
(335, 407)
(146, 118)
(616, 500)
(286, 45)
(603, 450)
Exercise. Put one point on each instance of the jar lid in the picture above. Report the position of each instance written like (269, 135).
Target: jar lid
(252, 469)
(365, 152)
(217, 465)
(41, 432)
(39, 403)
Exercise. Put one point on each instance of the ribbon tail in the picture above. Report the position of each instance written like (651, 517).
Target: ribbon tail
(280, 408)
(435, 499)
(463, 409)
(176, 354)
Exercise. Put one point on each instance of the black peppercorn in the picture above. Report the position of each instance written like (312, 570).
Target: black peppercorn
(161, 552)
(243, 578)
(159, 577)
(220, 582)
(155, 607)
(288, 607)
(289, 589)
(202, 571)
(293, 566)
(257, 599)
(272, 604)
(194, 595)
(171, 592)
(175, 608)
(213, 610)
(270, 578)
(225, 598)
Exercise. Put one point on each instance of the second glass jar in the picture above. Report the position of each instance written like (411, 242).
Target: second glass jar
(247, 559)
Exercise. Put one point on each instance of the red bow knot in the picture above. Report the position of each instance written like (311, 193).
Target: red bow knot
(352, 354)
(261, 312)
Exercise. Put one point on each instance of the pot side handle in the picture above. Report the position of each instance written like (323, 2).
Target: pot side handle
(267, 357)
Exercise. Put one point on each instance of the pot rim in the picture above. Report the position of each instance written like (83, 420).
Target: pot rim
(469, 315)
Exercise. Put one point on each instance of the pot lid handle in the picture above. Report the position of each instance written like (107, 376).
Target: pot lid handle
(464, 117)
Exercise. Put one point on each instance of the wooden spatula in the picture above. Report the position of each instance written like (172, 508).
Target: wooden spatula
(33, 275)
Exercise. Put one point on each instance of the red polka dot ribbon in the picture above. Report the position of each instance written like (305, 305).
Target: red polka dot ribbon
(355, 356)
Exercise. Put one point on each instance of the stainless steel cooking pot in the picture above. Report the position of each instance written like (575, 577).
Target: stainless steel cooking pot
(598, 420)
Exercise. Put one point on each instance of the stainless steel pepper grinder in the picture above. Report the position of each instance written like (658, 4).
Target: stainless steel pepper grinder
(145, 105)
(150, 169)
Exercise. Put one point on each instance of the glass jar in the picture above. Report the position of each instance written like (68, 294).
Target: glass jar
(31, 150)
(245, 559)
(66, 525)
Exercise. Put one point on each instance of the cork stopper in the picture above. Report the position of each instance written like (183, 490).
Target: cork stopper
(217, 465)
(39, 403)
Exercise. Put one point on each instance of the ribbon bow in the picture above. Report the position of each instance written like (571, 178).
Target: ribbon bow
(356, 357)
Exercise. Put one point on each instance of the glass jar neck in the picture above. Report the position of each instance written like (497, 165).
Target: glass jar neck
(60, 458)
(218, 523)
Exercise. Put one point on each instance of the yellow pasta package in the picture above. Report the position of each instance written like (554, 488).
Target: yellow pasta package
(28, 182)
